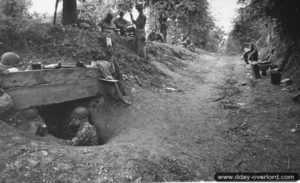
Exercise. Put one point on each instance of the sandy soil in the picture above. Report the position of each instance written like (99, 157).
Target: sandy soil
(217, 119)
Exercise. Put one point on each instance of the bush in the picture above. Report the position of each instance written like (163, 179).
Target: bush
(14, 8)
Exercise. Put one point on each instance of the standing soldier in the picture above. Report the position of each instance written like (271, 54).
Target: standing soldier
(108, 28)
(140, 36)
(86, 134)
(163, 24)
(253, 58)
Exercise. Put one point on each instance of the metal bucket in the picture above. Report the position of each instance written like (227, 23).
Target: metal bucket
(275, 77)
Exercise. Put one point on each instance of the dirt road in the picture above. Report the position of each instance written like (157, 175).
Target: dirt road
(217, 119)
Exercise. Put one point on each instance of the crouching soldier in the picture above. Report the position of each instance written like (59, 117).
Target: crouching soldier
(86, 134)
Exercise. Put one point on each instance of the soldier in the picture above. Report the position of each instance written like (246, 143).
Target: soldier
(154, 36)
(163, 22)
(86, 134)
(267, 60)
(107, 25)
(253, 57)
(108, 29)
(111, 73)
(140, 36)
(121, 23)
(189, 44)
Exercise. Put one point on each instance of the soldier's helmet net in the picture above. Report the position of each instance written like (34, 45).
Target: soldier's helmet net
(109, 16)
(81, 113)
(10, 59)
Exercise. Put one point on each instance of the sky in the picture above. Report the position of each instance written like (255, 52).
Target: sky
(44, 6)
(223, 10)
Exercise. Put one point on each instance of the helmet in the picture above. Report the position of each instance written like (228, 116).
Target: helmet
(121, 13)
(109, 16)
(139, 6)
(10, 59)
(81, 112)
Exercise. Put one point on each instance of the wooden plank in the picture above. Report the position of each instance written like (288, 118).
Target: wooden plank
(51, 76)
(37, 95)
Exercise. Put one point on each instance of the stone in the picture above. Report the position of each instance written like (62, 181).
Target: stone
(168, 89)
(286, 82)
(44, 153)
(6, 103)
(296, 98)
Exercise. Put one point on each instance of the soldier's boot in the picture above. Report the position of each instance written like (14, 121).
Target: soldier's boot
(264, 72)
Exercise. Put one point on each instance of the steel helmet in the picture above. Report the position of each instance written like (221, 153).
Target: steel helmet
(10, 59)
(81, 113)
(139, 6)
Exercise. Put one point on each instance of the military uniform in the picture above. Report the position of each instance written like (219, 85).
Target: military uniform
(121, 24)
(140, 36)
(163, 20)
(153, 36)
(86, 135)
(253, 57)
(107, 25)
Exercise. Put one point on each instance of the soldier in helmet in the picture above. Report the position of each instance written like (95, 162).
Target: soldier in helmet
(155, 36)
(251, 57)
(140, 36)
(163, 24)
(9, 60)
(86, 134)
(107, 24)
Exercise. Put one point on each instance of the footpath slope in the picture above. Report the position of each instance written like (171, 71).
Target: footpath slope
(210, 123)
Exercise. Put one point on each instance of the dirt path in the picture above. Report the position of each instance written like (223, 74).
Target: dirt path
(212, 123)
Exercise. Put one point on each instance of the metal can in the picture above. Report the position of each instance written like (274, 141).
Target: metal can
(42, 130)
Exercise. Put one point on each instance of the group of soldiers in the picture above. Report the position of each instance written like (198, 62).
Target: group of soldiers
(108, 26)
(183, 41)
(160, 34)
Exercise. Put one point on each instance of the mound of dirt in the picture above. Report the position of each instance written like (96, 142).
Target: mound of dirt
(122, 157)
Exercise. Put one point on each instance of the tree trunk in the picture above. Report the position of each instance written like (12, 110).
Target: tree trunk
(69, 12)
(55, 12)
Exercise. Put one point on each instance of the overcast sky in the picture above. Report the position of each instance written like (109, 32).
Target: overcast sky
(223, 10)
(43, 6)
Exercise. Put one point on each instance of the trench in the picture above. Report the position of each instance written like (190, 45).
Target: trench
(57, 117)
